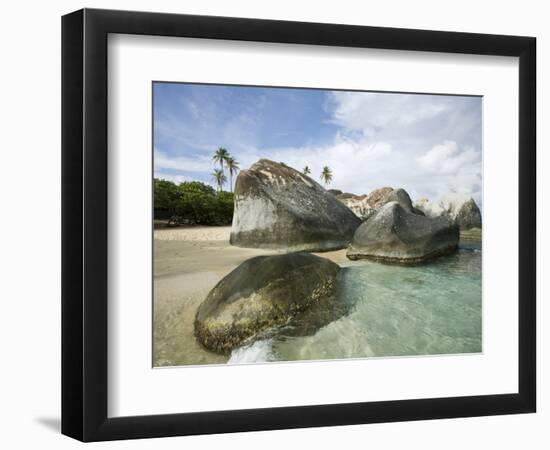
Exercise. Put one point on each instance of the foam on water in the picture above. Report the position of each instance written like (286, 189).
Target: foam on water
(259, 351)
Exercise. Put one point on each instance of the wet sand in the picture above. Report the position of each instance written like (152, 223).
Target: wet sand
(188, 263)
(472, 235)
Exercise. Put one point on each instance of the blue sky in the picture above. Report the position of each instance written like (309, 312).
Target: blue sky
(427, 144)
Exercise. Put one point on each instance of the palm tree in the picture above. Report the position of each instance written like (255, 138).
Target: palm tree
(220, 156)
(326, 175)
(219, 177)
(306, 170)
(233, 167)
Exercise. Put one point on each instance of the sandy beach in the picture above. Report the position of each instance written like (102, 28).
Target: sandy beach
(188, 262)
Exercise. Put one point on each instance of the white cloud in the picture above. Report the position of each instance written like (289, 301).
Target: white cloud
(452, 169)
(435, 140)
(372, 111)
(426, 144)
(447, 158)
(352, 162)
(183, 163)
(175, 178)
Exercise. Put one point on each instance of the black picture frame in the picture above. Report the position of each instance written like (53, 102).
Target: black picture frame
(84, 224)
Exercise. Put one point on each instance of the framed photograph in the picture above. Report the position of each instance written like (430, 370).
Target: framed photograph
(272, 224)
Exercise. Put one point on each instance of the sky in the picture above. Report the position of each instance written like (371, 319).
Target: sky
(428, 145)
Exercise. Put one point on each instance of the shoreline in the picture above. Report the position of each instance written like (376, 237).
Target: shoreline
(188, 262)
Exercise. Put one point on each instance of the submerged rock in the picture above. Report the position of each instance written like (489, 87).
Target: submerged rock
(460, 208)
(262, 294)
(278, 207)
(395, 235)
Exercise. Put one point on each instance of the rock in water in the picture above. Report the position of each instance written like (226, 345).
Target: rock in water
(460, 208)
(278, 207)
(263, 293)
(395, 235)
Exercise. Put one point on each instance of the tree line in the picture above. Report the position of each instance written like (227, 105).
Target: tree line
(197, 203)
(191, 203)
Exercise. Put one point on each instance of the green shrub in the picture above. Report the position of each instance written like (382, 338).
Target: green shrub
(192, 202)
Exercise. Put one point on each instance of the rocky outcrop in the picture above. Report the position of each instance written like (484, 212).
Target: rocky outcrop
(460, 208)
(261, 295)
(280, 208)
(395, 235)
(363, 206)
(465, 212)
(378, 197)
(430, 209)
(357, 203)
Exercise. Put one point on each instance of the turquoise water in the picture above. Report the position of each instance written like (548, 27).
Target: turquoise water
(392, 311)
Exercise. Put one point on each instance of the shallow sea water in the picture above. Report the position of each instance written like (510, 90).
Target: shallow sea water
(392, 311)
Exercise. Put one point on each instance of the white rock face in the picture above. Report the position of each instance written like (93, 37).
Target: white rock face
(429, 208)
(460, 208)
(453, 203)
(363, 206)
(254, 212)
(359, 205)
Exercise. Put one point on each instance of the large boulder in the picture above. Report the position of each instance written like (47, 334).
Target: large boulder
(395, 235)
(460, 208)
(280, 208)
(263, 294)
